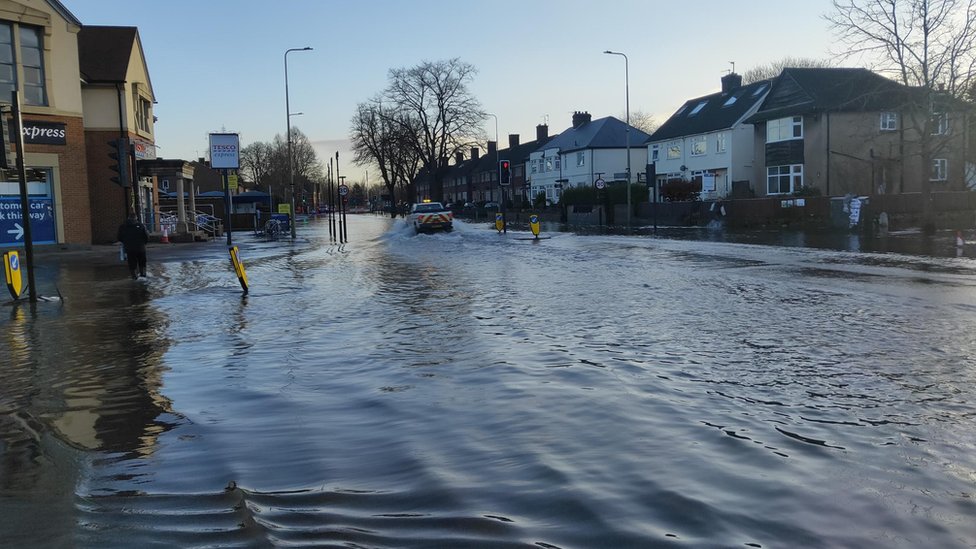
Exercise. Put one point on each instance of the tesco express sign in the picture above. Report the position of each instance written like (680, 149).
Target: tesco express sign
(225, 151)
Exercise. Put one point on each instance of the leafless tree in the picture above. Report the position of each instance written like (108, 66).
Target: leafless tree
(926, 44)
(642, 120)
(382, 137)
(437, 112)
(256, 163)
(772, 69)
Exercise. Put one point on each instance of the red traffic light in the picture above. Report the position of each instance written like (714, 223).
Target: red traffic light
(504, 164)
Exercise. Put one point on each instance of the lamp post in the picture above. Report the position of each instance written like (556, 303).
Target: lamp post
(498, 168)
(288, 114)
(627, 133)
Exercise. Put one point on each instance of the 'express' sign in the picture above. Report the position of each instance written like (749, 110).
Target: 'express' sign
(224, 152)
(42, 133)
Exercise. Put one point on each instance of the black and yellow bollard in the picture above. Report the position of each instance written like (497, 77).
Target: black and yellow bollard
(499, 222)
(534, 225)
(12, 274)
(238, 268)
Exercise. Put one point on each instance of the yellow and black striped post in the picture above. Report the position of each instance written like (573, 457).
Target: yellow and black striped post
(238, 268)
(12, 274)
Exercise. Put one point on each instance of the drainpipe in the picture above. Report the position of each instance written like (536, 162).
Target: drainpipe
(130, 162)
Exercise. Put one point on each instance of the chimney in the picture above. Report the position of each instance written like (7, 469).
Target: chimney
(542, 132)
(458, 158)
(580, 118)
(513, 140)
(731, 82)
(475, 153)
(492, 148)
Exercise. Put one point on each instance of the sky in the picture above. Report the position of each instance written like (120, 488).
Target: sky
(218, 65)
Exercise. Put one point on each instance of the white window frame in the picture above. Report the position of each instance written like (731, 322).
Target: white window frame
(559, 161)
(720, 142)
(674, 150)
(699, 145)
(580, 159)
(940, 170)
(940, 123)
(784, 129)
(655, 152)
(793, 173)
(889, 121)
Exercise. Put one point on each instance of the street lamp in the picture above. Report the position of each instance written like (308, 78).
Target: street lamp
(627, 95)
(498, 168)
(288, 115)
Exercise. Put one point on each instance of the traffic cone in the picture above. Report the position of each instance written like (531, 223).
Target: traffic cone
(165, 238)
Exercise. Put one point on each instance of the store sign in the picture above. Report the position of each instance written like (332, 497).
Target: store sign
(144, 150)
(12, 221)
(224, 151)
(42, 133)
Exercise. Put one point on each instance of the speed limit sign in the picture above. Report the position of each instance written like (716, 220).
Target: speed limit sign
(343, 190)
(601, 184)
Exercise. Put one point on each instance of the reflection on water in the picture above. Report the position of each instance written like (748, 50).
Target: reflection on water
(476, 390)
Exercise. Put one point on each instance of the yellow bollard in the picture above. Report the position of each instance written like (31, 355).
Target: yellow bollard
(11, 270)
(238, 268)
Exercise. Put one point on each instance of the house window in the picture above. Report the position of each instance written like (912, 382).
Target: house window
(31, 55)
(655, 152)
(940, 169)
(783, 129)
(534, 167)
(889, 121)
(580, 159)
(143, 112)
(549, 164)
(699, 145)
(730, 101)
(720, 143)
(674, 150)
(559, 162)
(940, 123)
(32, 58)
(784, 179)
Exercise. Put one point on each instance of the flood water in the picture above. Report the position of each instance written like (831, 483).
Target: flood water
(480, 390)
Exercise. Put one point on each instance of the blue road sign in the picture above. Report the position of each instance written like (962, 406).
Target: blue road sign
(12, 221)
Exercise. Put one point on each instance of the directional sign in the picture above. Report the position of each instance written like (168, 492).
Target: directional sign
(12, 221)
(343, 190)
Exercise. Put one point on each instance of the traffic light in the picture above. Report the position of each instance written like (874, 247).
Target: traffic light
(504, 172)
(120, 154)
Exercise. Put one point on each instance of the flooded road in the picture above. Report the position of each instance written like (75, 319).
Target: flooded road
(476, 390)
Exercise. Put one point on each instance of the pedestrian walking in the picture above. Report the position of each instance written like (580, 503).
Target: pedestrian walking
(134, 236)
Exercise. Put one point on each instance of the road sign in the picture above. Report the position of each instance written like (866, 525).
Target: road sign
(12, 221)
(601, 184)
(343, 190)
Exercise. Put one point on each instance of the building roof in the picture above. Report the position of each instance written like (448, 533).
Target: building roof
(63, 12)
(104, 52)
(709, 113)
(603, 133)
(799, 91)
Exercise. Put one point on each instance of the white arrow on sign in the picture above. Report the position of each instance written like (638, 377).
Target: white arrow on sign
(19, 231)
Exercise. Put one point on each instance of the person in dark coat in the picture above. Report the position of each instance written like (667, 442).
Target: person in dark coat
(134, 236)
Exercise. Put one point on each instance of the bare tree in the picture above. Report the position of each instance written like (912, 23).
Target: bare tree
(382, 137)
(437, 112)
(256, 163)
(926, 44)
(642, 120)
(772, 69)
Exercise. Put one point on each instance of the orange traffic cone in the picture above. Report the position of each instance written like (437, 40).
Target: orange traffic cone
(165, 238)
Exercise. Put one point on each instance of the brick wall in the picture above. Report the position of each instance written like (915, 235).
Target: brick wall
(108, 202)
(75, 212)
